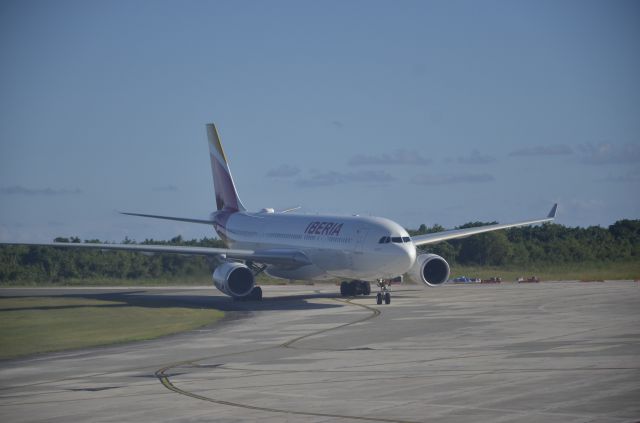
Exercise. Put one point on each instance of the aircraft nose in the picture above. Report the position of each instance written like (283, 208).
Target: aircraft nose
(410, 250)
(405, 256)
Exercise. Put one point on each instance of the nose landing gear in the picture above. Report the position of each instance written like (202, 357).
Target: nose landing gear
(384, 294)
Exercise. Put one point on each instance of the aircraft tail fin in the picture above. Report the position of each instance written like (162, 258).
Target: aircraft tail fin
(225, 190)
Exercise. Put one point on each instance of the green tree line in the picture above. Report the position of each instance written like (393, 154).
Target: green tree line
(50, 264)
(547, 244)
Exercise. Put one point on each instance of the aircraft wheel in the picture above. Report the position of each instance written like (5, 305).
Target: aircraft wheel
(256, 294)
(379, 298)
(344, 289)
(387, 298)
(355, 288)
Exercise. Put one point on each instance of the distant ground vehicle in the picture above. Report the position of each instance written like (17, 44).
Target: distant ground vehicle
(532, 279)
(495, 279)
(463, 279)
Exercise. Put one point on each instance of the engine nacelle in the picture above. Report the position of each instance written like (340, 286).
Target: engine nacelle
(234, 279)
(430, 269)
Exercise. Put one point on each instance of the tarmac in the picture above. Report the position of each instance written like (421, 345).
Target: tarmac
(551, 351)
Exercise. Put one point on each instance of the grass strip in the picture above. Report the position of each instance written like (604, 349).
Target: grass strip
(30, 325)
(578, 271)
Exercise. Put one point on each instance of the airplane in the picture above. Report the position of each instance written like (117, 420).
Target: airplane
(305, 247)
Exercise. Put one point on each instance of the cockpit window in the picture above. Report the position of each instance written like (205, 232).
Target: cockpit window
(395, 239)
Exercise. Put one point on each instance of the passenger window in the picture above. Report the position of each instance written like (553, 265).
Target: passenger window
(396, 239)
(406, 239)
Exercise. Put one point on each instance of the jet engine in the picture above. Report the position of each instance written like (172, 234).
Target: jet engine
(234, 279)
(430, 269)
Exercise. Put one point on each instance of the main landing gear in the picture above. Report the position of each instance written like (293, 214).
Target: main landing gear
(353, 288)
(384, 294)
(254, 295)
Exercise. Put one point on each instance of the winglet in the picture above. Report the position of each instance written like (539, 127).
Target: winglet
(552, 213)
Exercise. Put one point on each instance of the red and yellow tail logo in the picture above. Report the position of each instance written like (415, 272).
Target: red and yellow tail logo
(226, 194)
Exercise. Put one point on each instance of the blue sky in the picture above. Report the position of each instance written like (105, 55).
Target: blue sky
(422, 112)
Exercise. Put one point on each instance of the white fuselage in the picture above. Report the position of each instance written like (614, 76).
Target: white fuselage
(337, 246)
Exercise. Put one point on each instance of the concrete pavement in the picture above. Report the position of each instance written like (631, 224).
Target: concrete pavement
(554, 352)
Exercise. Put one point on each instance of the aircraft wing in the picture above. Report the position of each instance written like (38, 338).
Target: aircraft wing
(179, 219)
(462, 233)
(282, 257)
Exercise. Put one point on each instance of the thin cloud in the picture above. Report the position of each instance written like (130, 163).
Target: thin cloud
(20, 190)
(609, 153)
(283, 171)
(166, 188)
(335, 178)
(581, 206)
(631, 176)
(458, 178)
(543, 150)
(475, 157)
(397, 157)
